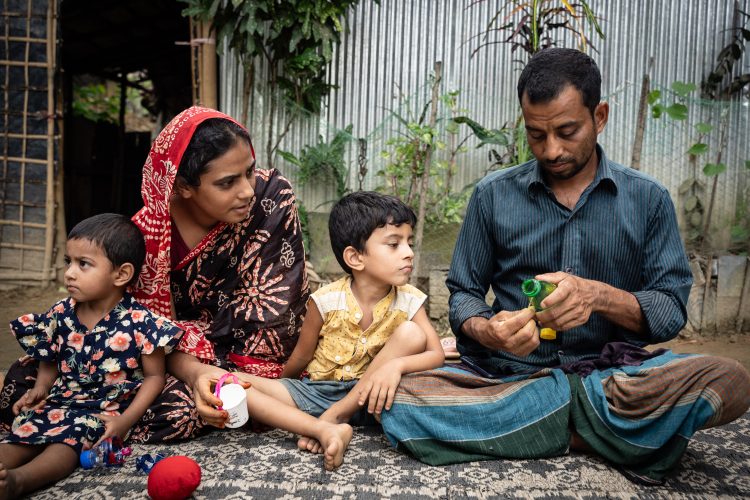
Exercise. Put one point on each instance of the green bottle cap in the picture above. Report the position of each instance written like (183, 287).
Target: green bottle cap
(531, 287)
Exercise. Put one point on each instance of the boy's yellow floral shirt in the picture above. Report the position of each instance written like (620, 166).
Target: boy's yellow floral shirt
(344, 351)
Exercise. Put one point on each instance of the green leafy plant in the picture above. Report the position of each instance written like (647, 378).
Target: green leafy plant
(719, 83)
(324, 161)
(405, 162)
(537, 24)
(694, 190)
(95, 103)
(511, 148)
(296, 39)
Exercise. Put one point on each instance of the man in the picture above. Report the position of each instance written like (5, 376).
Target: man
(607, 236)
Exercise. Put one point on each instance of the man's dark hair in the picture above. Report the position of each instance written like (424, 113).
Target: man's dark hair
(355, 216)
(211, 139)
(117, 236)
(550, 70)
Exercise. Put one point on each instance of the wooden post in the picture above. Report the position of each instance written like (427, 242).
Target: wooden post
(49, 211)
(419, 231)
(207, 67)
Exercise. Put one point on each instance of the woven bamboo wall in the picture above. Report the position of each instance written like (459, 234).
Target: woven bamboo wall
(28, 141)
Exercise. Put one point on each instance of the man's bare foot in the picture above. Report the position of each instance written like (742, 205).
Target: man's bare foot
(7, 483)
(335, 440)
(311, 444)
(578, 444)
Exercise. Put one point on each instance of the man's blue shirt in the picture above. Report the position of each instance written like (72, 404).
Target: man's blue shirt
(623, 232)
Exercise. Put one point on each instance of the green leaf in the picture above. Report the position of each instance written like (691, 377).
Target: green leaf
(686, 185)
(654, 96)
(657, 110)
(289, 157)
(747, 164)
(690, 203)
(714, 168)
(696, 219)
(487, 136)
(682, 88)
(697, 149)
(677, 111)
(704, 128)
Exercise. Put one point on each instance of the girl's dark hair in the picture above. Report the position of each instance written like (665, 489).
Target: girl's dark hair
(550, 70)
(211, 139)
(355, 216)
(117, 236)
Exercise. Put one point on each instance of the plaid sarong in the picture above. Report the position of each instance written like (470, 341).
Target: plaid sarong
(638, 417)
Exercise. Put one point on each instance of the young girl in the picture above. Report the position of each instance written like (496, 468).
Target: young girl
(101, 359)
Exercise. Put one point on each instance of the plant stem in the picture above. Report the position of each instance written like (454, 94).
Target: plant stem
(722, 140)
(534, 27)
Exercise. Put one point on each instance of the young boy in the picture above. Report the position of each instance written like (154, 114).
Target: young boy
(101, 359)
(362, 332)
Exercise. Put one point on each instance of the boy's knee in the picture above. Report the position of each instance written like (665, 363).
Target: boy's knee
(409, 333)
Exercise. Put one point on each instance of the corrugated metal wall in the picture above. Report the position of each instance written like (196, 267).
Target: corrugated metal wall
(389, 50)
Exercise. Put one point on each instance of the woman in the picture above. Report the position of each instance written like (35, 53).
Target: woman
(224, 259)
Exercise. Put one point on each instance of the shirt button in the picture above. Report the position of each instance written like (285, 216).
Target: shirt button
(348, 368)
(364, 340)
(337, 358)
(358, 315)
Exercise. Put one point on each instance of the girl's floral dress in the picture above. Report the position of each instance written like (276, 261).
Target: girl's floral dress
(99, 371)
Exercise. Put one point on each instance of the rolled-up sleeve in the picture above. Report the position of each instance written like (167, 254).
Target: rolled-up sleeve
(665, 274)
(472, 264)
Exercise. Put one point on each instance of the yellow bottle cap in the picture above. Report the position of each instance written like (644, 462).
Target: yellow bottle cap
(548, 334)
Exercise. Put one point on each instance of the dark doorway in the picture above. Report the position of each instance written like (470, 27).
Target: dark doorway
(109, 41)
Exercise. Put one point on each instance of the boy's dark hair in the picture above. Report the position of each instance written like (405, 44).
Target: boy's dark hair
(211, 139)
(355, 216)
(117, 236)
(550, 70)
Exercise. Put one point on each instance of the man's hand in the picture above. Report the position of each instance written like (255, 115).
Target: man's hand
(571, 304)
(514, 332)
(33, 399)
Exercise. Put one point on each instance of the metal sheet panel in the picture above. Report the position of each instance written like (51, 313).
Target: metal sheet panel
(388, 52)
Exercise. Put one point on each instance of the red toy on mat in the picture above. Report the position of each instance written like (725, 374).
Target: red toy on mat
(173, 478)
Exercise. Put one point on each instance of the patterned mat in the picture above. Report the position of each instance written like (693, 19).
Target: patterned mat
(239, 464)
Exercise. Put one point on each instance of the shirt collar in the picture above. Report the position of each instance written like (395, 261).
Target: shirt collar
(535, 180)
(354, 312)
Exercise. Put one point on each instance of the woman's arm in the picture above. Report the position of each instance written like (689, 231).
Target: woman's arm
(200, 378)
(308, 341)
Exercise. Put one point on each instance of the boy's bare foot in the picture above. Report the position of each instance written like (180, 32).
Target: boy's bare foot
(311, 444)
(7, 483)
(335, 440)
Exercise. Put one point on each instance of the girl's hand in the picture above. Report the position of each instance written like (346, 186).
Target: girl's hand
(33, 399)
(114, 425)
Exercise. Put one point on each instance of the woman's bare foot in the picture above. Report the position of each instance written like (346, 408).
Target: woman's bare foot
(335, 440)
(7, 483)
